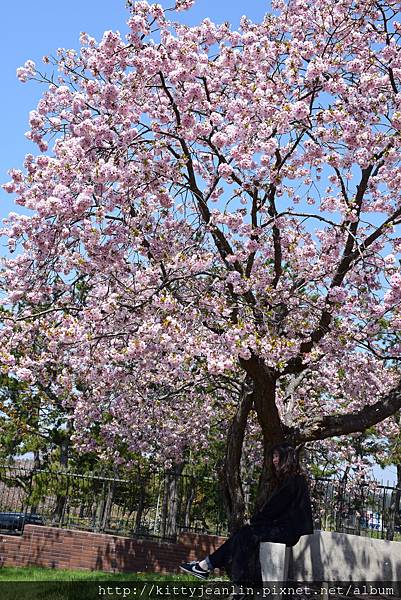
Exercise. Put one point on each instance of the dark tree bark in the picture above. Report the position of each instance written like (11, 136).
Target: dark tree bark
(170, 507)
(230, 476)
(188, 506)
(320, 428)
(63, 439)
(273, 432)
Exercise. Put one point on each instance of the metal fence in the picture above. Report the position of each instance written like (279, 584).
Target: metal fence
(360, 508)
(151, 504)
(163, 504)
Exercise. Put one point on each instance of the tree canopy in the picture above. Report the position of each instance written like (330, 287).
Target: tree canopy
(214, 229)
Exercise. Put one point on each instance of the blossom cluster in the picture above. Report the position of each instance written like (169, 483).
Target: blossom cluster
(210, 196)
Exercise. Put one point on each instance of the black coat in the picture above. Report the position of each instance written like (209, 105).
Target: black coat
(288, 507)
(286, 516)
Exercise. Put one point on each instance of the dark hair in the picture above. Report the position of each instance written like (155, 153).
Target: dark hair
(288, 465)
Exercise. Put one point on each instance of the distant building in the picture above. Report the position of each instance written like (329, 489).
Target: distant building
(371, 519)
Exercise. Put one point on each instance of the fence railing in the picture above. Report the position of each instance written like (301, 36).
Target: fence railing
(361, 508)
(151, 504)
(163, 504)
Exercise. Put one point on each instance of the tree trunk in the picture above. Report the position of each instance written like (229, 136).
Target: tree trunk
(170, 507)
(61, 498)
(36, 459)
(188, 507)
(230, 476)
(272, 429)
(258, 392)
(64, 451)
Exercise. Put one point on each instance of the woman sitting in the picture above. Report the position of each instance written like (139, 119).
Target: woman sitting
(285, 517)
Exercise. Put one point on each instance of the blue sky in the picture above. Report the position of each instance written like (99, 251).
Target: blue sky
(34, 28)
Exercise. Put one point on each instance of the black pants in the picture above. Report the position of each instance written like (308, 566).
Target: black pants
(239, 555)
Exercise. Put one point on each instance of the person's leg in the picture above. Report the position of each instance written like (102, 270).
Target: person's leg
(220, 557)
(206, 564)
(245, 566)
(231, 555)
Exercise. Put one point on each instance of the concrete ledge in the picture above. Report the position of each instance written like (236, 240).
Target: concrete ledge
(274, 561)
(330, 556)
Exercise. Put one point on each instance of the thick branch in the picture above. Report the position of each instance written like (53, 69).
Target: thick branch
(278, 254)
(358, 421)
(254, 215)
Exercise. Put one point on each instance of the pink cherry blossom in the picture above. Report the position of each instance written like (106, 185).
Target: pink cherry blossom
(215, 208)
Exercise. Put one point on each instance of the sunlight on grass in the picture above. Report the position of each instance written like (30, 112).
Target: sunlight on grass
(34, 583)
(46, 574)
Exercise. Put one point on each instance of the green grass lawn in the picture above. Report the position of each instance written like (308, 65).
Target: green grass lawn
(47, 574)
(34, 583)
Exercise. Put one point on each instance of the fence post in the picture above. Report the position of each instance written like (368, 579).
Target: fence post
(393, 513)
(107, 505)
(141, 506)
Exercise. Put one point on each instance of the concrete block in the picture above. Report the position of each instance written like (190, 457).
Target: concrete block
(274, 560)
(331, 556)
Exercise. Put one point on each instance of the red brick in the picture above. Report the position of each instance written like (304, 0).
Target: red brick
(63, 548)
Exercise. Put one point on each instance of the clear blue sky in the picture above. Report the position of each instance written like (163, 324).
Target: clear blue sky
(34, 28)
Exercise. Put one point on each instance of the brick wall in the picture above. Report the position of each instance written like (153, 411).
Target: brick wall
(70, 549)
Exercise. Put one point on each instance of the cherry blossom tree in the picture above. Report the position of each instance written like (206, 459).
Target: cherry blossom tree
(214, 231)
